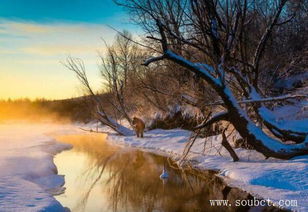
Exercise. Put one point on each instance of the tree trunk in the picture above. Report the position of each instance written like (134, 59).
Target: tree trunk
(228, 147)
(263, 143)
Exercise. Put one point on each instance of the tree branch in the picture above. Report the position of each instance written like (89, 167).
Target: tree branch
(228, 147)
(215, 118)
(262, 43)
(262, 100)
(153, 59)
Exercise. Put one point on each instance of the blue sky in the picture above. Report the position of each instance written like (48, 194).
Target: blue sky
(36, 35)
(91, 11)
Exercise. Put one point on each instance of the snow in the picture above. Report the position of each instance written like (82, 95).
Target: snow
(299, 110)
(257, 132)
(164, 174)
(187, 111)
(196, 66)
(291, 124)
(28, 176)
(272, 179)
(275, 144)
(121, 128)
(289, 82)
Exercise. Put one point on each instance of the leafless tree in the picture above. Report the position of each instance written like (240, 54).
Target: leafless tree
(216, 41)
(118, 69)
(77, 66)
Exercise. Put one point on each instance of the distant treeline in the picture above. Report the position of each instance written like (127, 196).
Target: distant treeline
(75, 109)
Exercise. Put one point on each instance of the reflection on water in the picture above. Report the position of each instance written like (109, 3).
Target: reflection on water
(104, 177)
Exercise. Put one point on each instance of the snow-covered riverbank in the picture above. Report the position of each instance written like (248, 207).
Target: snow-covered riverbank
(283, 182)
(28, 176)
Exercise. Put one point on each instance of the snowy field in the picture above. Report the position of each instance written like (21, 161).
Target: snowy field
(280, 181)
(28, 176)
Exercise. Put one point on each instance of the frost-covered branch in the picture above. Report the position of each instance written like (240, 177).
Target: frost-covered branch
(293, 130)
(262, 100)
(273, 99)
(239, 118)
(106, 120)
(153, 59)
(194, 67)
(224, 34)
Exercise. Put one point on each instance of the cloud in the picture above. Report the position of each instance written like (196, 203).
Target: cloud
(25, 28)
(63, 49)
(54, 38)
(32, 28)
(32, 53)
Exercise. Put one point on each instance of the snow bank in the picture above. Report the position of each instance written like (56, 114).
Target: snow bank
(269, 179)
(28, 176)
(278, 118)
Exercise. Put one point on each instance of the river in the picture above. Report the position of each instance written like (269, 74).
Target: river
(100, 176)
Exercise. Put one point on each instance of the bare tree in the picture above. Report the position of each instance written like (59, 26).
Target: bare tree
(117, 66)
(77, 66)
(227, 53)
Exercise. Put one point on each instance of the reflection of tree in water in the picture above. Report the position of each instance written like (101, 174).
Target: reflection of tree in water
(136, 184)
(133, 182)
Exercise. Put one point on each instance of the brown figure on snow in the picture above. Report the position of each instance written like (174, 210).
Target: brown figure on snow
(138, 126)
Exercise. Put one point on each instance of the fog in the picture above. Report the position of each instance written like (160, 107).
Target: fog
(31, 112)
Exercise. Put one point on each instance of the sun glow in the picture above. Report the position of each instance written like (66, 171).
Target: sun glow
(31, 56)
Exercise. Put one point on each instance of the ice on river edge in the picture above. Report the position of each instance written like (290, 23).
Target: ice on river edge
(28, 176)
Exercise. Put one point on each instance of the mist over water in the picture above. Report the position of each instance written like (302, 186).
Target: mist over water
(37, 111)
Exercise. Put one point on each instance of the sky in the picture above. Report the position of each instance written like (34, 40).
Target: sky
(37, 35)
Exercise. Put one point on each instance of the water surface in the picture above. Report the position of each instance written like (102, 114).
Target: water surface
(104, 177)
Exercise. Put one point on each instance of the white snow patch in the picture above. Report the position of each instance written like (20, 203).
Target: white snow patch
(290, 123)
(28, 176)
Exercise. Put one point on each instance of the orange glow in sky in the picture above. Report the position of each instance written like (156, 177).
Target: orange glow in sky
(31, 58)
(35, 39)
